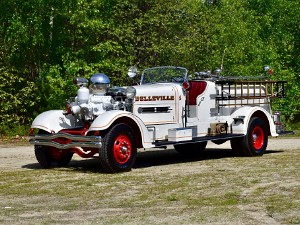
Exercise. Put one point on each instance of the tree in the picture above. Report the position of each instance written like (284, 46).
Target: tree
(44, 44)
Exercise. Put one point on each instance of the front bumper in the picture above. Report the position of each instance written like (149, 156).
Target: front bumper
(65, 141)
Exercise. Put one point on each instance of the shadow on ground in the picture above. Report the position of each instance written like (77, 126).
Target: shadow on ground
(149, 158)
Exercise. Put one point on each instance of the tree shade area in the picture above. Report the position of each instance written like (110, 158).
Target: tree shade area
(44, 44)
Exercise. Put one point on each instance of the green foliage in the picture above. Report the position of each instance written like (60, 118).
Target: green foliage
(54, 87)
(44, 44)
(16, 97)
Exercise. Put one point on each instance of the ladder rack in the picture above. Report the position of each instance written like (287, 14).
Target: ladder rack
(248, 92)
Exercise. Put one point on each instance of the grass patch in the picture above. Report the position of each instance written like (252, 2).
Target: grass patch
(225, 190)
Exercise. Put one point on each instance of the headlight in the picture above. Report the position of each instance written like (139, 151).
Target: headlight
(130, 92)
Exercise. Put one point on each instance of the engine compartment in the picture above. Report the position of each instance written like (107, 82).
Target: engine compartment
(89, 106)
(98, 98)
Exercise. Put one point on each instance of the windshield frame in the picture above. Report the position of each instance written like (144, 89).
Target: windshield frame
(166, 79)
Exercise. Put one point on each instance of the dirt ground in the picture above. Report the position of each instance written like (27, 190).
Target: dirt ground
(17, 157)
(256, 200)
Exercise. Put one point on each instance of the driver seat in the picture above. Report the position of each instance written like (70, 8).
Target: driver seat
(196, 89)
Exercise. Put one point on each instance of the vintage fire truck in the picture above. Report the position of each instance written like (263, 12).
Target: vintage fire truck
(167, 106)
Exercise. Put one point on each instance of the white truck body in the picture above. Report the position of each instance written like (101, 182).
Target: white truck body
(173, 110)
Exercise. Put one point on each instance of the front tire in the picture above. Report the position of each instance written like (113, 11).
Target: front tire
(48, 156)
(256, 140)
(42, 156)
(119, 150)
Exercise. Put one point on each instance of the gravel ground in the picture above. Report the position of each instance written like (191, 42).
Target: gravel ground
(22, 157)
(162, 188)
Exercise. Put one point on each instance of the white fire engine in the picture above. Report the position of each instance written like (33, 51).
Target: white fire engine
(167, 107)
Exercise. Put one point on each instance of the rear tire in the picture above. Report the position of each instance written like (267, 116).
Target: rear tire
(255, 142)
(119, 150)
(191, 148)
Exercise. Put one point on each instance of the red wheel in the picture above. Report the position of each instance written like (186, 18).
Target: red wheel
(60, 157)
(119, 150)
(55, 153)
(255, 142)
(258, 137)
(122, 149)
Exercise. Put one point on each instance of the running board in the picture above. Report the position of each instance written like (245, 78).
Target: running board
(199, 139)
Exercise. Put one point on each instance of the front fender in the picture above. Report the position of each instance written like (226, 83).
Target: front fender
(54, 120)
(105, 120)
(247, 112)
